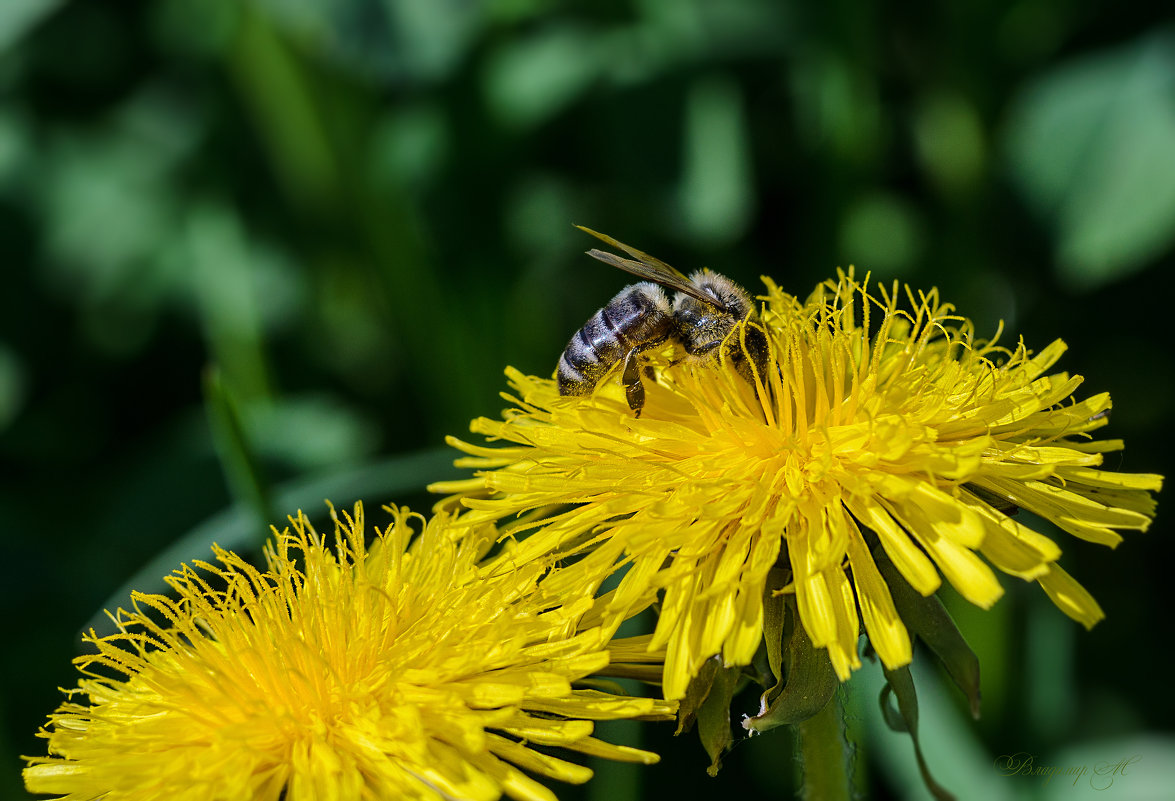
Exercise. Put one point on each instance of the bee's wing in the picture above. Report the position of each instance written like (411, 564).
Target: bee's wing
(648, 267)
(652, 261)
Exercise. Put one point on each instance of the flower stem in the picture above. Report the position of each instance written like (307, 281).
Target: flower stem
(822, 753)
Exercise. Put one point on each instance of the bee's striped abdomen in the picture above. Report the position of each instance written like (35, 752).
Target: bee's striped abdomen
(636, 319)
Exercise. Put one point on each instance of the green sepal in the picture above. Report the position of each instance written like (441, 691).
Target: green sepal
(774, 618)
(929, 620)
(714, 715)
(997, 502)
(695, 695)
(808, 678)
(904, 719)
(603, 685)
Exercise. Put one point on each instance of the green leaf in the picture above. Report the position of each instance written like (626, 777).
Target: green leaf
(884, 230)
(18, 17)
(529, 79)
(900, 684)
(929, 620)
(716, 198)
(13, 385)
(951, 743)
(809, 680)
(310, 432)
(1090, 147)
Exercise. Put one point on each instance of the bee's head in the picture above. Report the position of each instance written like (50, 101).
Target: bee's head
(730, 299)
(704, 325)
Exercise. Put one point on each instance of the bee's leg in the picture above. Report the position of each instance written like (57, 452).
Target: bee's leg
(634, 390)
(752, 355)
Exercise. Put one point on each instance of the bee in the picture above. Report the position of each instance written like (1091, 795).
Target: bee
(705, 308)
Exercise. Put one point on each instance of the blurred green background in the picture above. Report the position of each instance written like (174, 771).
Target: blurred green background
(342, 219)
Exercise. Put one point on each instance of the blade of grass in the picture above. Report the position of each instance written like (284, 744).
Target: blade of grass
(245, 477)
(234, 528)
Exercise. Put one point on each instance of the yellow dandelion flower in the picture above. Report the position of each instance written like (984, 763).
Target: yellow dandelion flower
(403, 671)
(874, 421)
